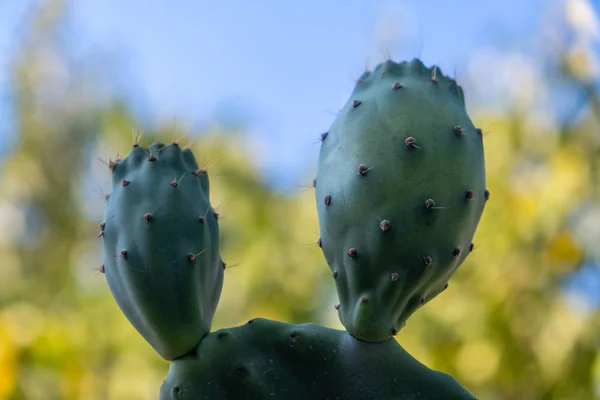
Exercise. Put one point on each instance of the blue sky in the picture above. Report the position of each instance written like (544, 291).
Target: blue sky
(283, 67)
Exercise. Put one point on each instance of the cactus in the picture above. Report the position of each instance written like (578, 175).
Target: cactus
(161, 247)
(266, 359)
(400, 189)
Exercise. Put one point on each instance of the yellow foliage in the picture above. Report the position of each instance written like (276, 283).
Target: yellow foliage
(478, 360)
(562, 250)
(8, 362)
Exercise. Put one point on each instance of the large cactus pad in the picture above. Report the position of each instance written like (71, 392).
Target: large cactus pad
(266, 359)
(400, 190)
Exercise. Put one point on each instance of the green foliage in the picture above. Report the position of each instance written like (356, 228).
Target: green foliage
(266, 359)
(400, 190)
(161, 246)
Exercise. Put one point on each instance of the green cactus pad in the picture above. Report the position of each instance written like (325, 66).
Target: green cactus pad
(266, 359)
(400, 190)
(161, 247)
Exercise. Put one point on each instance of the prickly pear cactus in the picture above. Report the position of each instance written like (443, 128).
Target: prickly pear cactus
(400, 190)
(266, 359)
(161, 247)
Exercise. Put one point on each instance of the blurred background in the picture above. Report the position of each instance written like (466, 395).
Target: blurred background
(250, 86)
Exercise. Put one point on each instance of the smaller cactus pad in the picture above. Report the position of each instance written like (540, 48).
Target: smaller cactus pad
(161, 247)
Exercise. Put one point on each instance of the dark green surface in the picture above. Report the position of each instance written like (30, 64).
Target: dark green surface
(394, 271)
(267, 359)
(168, 297)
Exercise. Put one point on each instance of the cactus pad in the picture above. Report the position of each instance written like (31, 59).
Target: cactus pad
(161, 247)
(266, 359)
(400, 190)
